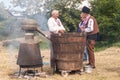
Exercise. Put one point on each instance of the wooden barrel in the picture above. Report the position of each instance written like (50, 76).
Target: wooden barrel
(68, 50)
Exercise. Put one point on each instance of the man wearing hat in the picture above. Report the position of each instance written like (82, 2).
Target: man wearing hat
(91, 28)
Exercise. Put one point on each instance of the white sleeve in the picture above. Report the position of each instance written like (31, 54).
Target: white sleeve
(90, 26)
(51, 26)
(62, 27)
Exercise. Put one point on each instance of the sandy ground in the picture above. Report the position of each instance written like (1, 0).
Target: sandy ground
(107, 63)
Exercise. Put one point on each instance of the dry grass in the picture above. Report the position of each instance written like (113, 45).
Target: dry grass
(107, 62)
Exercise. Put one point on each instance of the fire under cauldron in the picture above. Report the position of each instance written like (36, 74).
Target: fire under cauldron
(29, 55)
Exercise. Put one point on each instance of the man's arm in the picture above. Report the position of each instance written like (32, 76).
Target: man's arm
(90, 27)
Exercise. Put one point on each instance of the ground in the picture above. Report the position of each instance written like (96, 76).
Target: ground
(107, 66)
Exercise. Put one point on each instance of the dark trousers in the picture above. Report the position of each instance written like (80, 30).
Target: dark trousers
(90, 48)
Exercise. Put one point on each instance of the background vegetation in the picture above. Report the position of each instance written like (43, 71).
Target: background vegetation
(107, 13)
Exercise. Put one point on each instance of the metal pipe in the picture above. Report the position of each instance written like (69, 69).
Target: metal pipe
(46, 36)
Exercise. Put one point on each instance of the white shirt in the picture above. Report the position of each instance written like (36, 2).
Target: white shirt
(90, 26)
(54, 26)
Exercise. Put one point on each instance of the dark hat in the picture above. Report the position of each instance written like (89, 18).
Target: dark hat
(85, 10)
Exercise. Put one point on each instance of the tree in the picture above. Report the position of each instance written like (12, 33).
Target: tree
(37, 9)
(3, 15)
(107, 13)
(69, 12)
(68, 9)
(28, 7)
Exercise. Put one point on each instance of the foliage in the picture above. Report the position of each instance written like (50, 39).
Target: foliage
(28, 7)
(8, 24)
(4, 15)
(1, 18)
(107, 13)
(70, 19)
(69, 14)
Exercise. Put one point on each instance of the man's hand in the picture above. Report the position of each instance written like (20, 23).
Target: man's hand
(61, 31)
(82, 29)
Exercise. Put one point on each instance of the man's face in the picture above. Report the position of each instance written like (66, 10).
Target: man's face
(56, 15)
(83, 16)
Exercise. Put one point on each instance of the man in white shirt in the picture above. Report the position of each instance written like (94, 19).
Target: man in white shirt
(54, 24)
(55, 27)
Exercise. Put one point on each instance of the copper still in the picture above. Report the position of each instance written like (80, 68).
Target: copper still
(29, 55)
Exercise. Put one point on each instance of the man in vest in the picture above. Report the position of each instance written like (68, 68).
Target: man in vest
(92, 30)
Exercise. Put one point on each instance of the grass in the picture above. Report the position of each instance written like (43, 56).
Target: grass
(107, 63)
(102, 45)
(45, 44)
